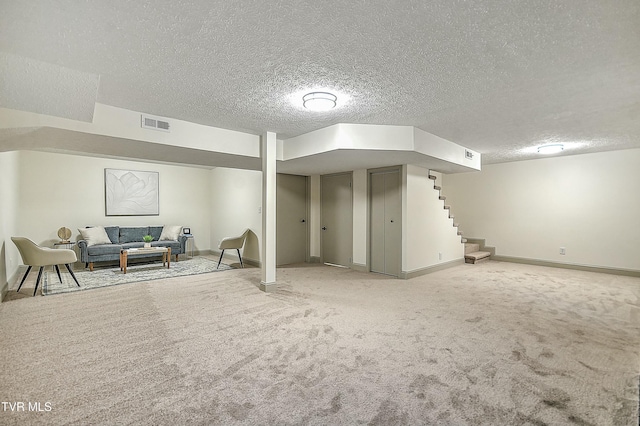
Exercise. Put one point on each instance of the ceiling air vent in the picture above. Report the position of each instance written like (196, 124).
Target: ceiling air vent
(149, 122)
(468, 154)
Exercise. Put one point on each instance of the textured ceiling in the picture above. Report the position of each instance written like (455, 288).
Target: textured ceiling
(496, 76)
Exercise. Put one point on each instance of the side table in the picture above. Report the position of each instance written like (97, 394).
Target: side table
(65, 244)
(189, 244)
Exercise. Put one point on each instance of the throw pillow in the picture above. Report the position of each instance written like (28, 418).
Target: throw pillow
(170, 233)
(94, 235)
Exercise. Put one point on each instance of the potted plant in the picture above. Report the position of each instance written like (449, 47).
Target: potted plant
(147, 241)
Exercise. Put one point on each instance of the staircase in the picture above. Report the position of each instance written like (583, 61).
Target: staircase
(472, 251)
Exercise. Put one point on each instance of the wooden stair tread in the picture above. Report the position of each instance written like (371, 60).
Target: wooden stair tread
(432, 177)
(437, 188)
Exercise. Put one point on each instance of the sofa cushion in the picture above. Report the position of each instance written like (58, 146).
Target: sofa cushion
(94, 235)
(102, 249)
(114, 233)
(155, 232)
(133, 234)
(170, 233)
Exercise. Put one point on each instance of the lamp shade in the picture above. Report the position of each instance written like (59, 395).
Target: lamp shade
(551, 148)
(319, 101)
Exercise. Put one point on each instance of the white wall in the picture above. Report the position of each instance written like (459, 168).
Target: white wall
(314, 217)
(426, 227)
(435, 146)
(589, 204)
(236, 201)
(9, 255)
(58, 190)
(360, 217)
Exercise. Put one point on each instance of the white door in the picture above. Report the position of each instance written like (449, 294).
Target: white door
(291, 219)
(386, 227)
(336, 219)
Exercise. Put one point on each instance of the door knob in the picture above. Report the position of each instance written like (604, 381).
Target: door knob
(302, 220)
(324, 228)
(391, 220)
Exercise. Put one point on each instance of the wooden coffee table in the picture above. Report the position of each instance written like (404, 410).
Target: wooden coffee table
(133, 252)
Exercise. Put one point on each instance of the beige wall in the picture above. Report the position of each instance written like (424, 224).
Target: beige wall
(9, 190)
(236, 200)
(58, 190)
(589, 204)
(429, 238)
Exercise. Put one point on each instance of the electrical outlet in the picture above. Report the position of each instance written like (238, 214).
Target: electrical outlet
(563, 251)
(439, 256)
(259, 209)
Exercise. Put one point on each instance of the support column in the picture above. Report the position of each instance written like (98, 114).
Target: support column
(314, 220)
(268, 155)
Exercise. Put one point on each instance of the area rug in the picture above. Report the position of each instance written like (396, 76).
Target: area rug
(135, 273)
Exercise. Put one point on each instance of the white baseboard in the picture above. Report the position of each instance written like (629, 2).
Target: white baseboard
(268, 288)
(587, 268)
(430, 269)
(4, 291)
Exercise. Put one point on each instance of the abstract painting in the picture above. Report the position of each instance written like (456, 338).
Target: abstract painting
(131, 193)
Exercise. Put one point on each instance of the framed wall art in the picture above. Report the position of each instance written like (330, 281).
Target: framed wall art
(131, 193)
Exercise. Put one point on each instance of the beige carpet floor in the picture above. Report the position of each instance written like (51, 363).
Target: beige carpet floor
(488, 344)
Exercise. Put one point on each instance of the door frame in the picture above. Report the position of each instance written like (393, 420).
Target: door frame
(350, 173)
(370, 172)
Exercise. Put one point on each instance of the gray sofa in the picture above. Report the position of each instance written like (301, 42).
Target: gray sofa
(124, 237)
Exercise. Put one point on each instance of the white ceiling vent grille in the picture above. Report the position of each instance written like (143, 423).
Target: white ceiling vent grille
(154, 123)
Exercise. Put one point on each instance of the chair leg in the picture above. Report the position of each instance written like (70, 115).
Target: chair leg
(240, 257)
(72, 274)
(25, 277)
(220, 260)
(38, 280)
(58, 271)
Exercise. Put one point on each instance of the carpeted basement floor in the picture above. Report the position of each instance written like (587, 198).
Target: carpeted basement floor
(488, 344)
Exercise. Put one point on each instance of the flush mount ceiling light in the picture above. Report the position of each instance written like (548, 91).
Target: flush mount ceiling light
(319, 101)
(551, 148)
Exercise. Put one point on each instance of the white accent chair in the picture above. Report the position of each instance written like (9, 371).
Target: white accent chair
(232, 243)
(34, 255)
